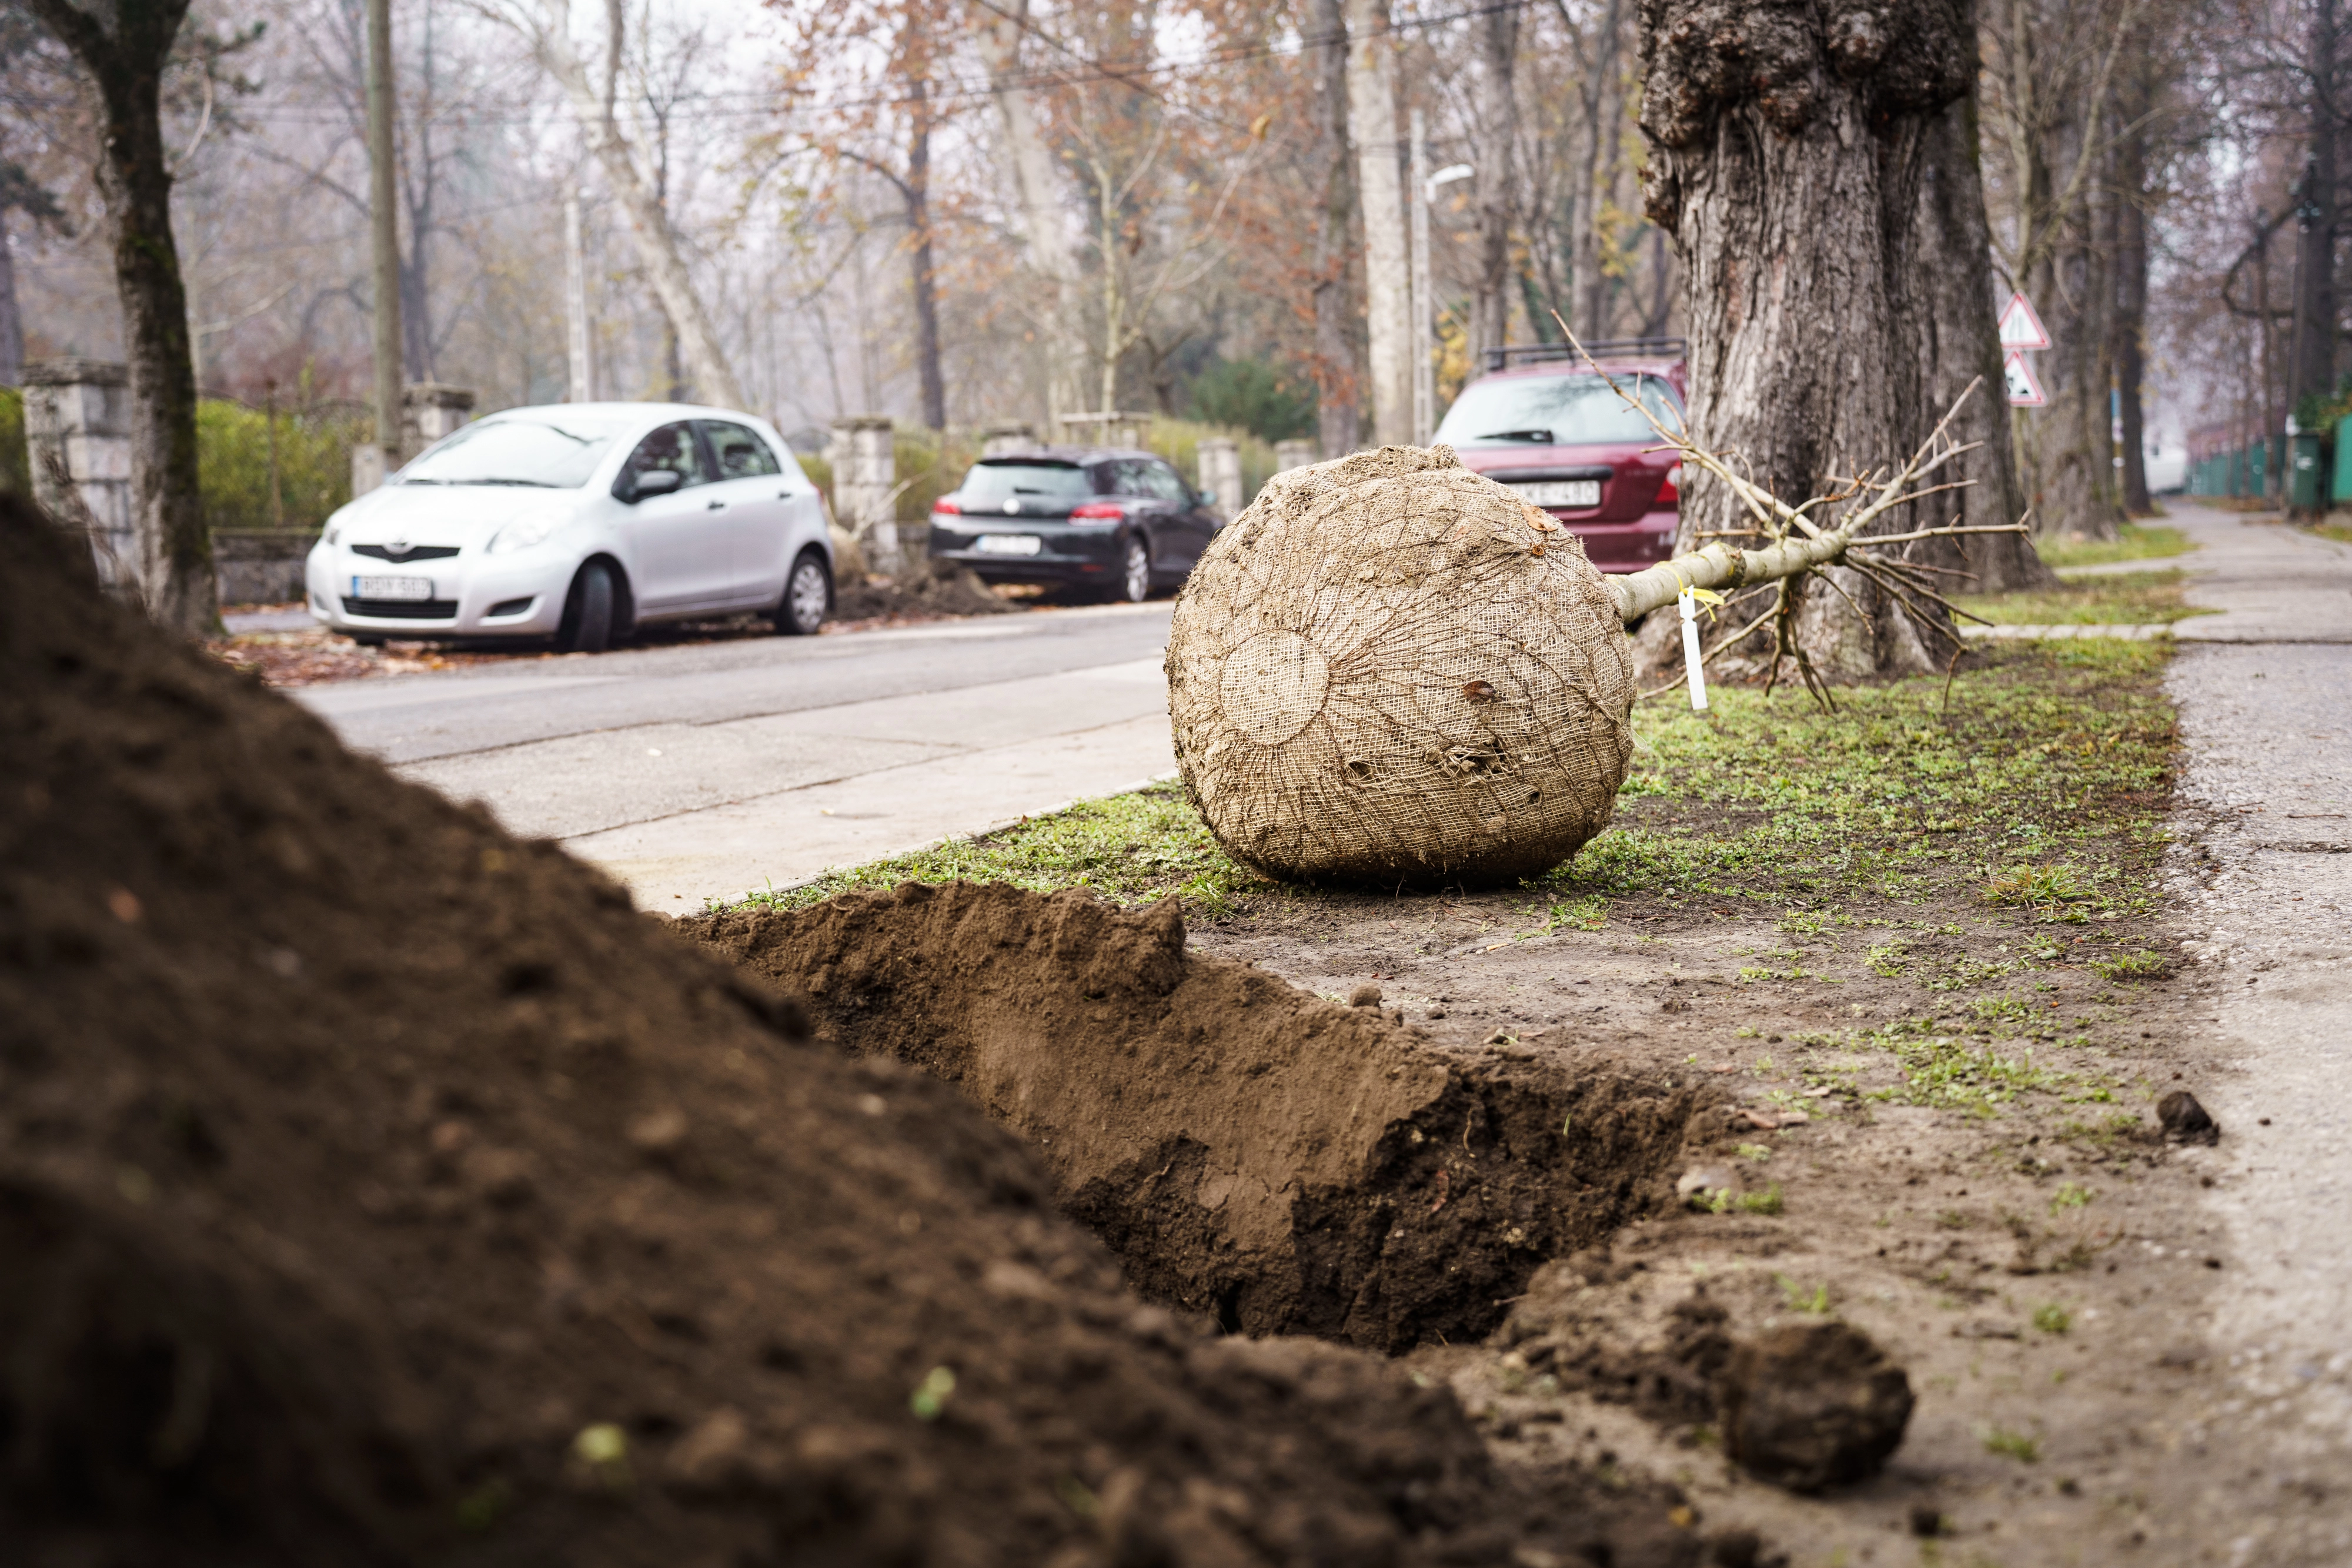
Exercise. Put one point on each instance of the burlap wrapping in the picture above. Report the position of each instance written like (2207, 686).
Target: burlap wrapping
(1392, 671)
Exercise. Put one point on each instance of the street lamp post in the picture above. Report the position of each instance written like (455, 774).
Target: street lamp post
(1425, 187)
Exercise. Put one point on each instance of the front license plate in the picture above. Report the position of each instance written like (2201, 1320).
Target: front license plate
(1009, 544)
(1561, 492)
(392, 588)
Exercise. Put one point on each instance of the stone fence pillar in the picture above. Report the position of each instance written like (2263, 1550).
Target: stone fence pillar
(1289, 455)
(1114, 429)
(428, 410)
(77, 436)
(1221, 474)
(1007, 440)
(866, 487)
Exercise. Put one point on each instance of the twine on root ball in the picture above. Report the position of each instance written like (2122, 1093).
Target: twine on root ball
(1391, 672)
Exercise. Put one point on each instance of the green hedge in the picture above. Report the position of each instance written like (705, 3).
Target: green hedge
(314, 464)
(15, 466)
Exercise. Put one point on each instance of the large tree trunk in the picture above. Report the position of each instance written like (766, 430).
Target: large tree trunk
(1337, 417)
(1788, 148)
(1959, 343)
(1498, 131)
(1379, 194)
(125, 55)
(1052, 257)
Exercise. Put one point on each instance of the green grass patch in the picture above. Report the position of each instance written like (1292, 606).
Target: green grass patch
(2128, 599)
(2057, 753)
(1131, 848)
(2136, 541)
(2340, 532)
(2013, 1444)
(2132, 966)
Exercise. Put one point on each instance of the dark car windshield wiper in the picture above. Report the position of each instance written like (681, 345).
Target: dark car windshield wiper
(1540, 438)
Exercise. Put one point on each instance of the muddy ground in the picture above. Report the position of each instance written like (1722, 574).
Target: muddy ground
(1997, 1209)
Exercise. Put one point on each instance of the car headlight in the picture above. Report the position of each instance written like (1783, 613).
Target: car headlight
(533, 528)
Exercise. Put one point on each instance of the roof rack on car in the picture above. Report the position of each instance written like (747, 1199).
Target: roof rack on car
(1502, 359)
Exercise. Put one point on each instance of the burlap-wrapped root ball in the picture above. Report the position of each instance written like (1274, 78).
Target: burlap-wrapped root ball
(1391, 672)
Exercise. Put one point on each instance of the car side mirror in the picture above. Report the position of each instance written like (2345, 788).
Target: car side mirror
(652, 482)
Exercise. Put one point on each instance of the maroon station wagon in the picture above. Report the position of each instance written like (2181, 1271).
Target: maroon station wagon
(1544, 422)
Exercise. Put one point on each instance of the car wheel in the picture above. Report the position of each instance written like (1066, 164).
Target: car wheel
(587, 626)
(808, 596)
(1135, 576)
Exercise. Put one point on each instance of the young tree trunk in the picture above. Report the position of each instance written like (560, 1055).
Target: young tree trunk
(1490, 306)
(12, 320)
(1380, 195)
(1959, 343)
(2131, 290)
(1598, 176)
(1052, 257)
(920, 259)
(1789, 148)
(2314, 371)
(1337, 418)
(124, 49)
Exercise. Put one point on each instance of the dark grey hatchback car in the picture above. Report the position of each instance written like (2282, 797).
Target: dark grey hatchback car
(1115, 521)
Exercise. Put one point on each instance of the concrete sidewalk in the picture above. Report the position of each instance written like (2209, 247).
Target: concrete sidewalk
(2262, 870)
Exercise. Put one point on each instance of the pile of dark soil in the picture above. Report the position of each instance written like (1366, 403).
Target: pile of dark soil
(1250, 1150)
(924, 595)
(377, 1189)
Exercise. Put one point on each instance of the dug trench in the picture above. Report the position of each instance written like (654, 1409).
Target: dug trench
(1251, 1151)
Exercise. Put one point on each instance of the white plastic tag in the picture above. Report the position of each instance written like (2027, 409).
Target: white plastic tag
(1691, 665)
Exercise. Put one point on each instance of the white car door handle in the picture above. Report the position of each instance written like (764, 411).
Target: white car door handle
(714, 506)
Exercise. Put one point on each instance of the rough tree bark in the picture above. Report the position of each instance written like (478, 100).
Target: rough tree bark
(1053, 256)
(1380, 195)
(1499, 132)
(124, 47)
(1338, 417)
(1789, 145)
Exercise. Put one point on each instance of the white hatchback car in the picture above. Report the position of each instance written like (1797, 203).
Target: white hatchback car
(580, 522)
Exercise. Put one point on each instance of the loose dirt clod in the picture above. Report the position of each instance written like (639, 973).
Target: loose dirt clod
(499, 1227)
(1251, 1151)
(1391, 671)
(1812, 1405)
(2185, 1121)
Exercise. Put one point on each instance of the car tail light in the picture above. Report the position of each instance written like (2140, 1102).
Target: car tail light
(947, 506)
(1100, 511)
(1669, 493)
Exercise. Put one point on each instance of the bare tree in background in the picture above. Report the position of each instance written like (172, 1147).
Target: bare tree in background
(1338, 415)
(1380, 198)
(594, 95)
(1039, 190)
(1497, 185)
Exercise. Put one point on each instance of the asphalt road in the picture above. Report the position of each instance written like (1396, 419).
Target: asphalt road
(713, 769)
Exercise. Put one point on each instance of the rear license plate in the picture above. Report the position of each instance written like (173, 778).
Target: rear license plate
(392, 588)
(1009, 544)
(1561, 492)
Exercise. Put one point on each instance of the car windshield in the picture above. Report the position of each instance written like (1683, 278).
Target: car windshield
(1576, 410)
(555, 452)
(992, 483)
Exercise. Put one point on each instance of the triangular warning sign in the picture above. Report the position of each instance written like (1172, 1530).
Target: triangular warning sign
(2020, 327)
(2024, 386)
